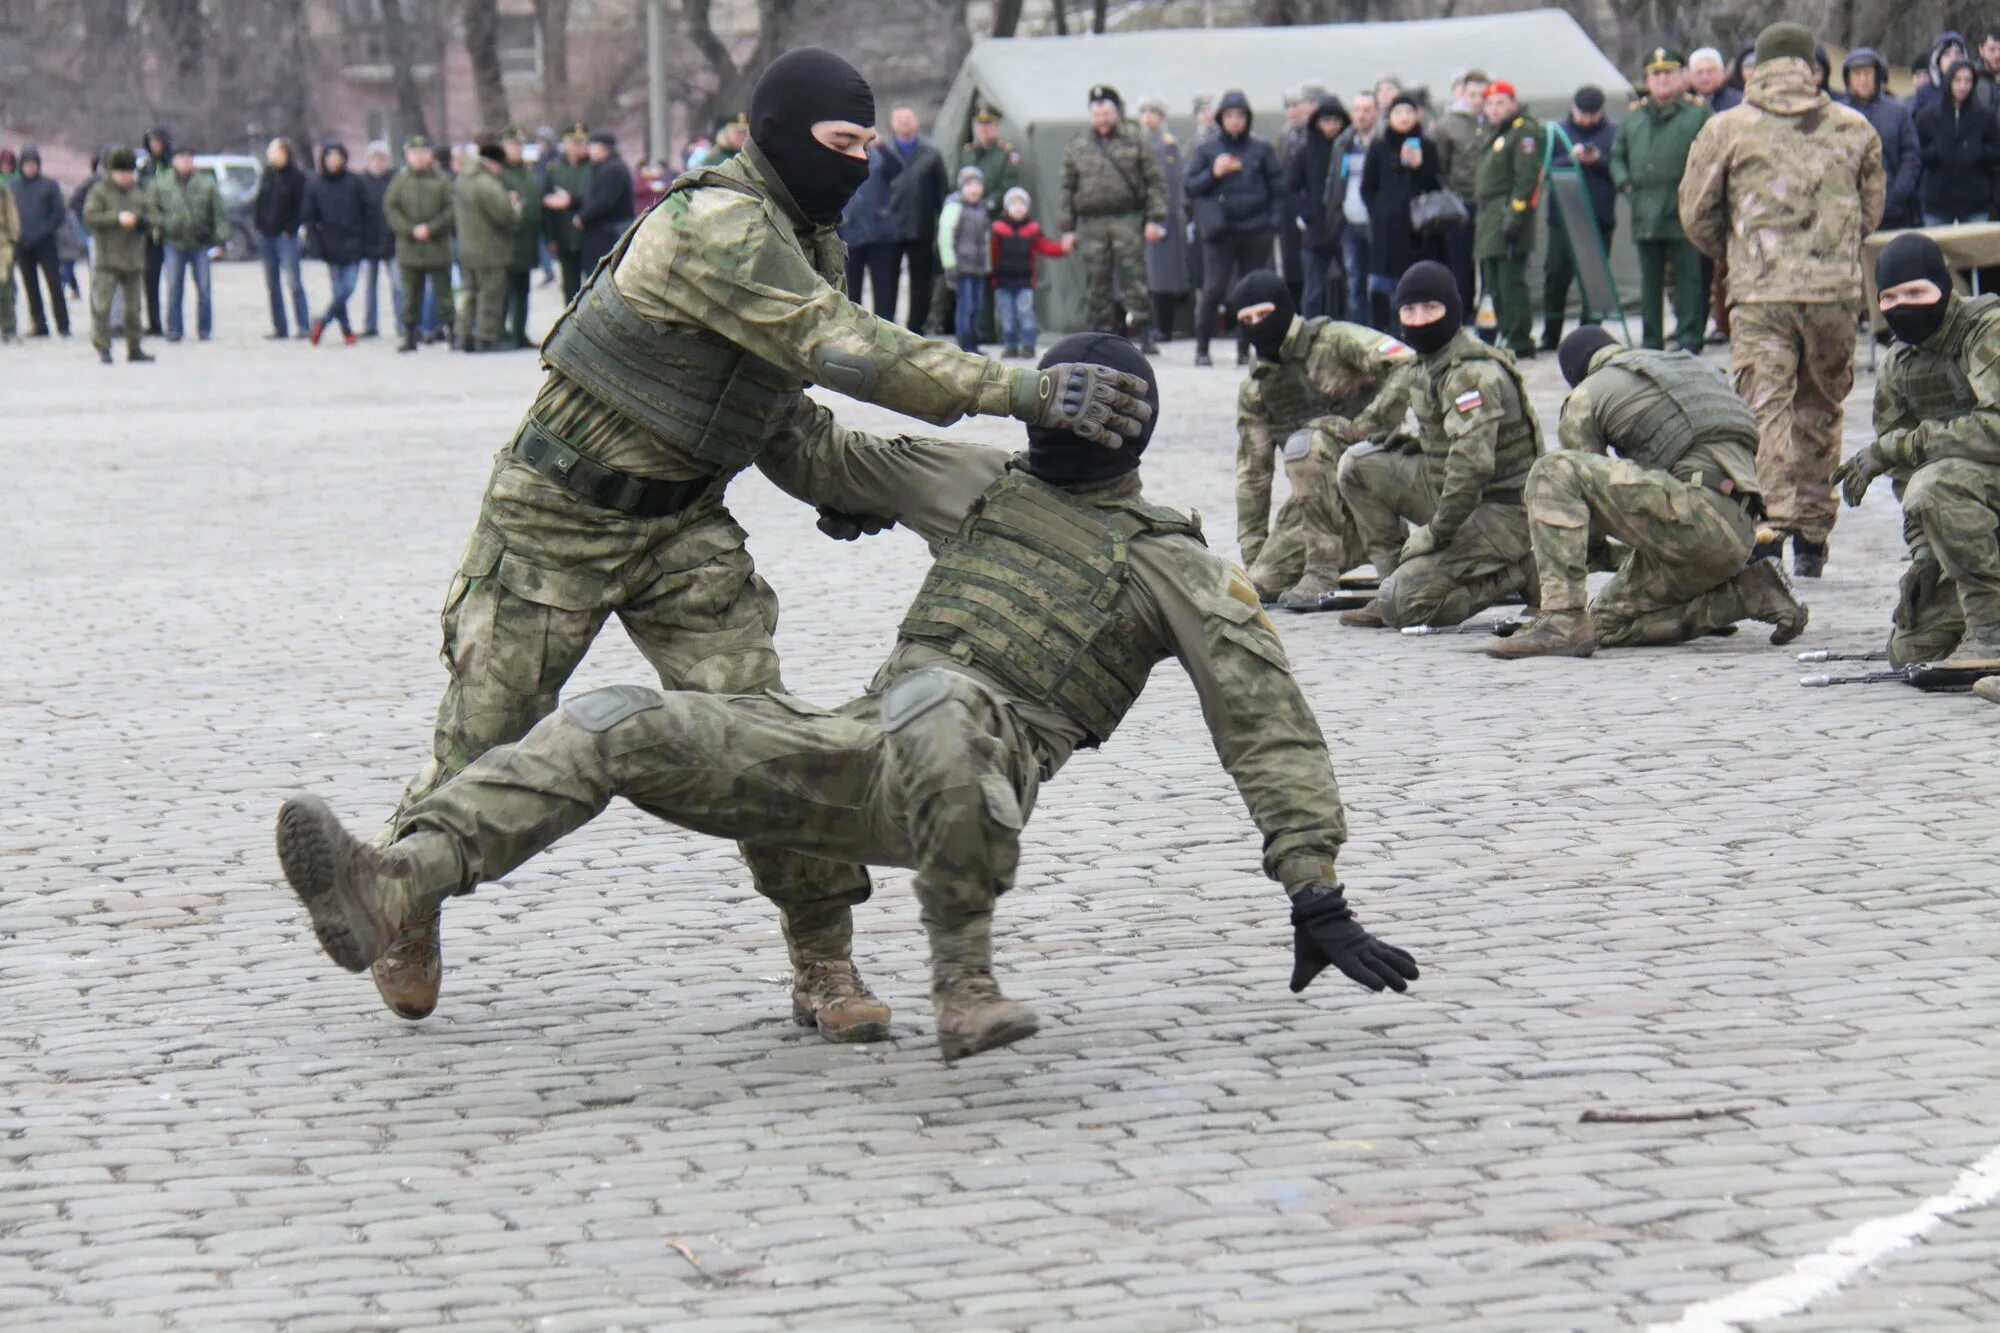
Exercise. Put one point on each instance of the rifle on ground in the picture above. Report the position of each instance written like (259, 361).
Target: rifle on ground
(1931, 677)
(1498, 628)
(1822, 655)
(1346, 599)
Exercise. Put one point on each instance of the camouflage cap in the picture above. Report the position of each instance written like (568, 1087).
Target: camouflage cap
(1785, 41)
(121, 159)
(1664, 57)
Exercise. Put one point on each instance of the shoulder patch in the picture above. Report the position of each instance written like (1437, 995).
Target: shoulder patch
(1528, 145)
(1394, 350)
(1469, 400)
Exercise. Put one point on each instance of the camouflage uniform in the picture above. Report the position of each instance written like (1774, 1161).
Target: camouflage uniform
(487, 219)
(1509, 182)
(938, 766)
(1111, 188)
(117, 259)
(1937, 422)
(414, 199)
(725, 286)
(1326, 369)
(1682, 496)
(1783, 188)
(1477, 439)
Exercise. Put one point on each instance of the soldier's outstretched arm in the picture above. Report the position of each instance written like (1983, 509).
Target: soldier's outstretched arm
(1256, 461)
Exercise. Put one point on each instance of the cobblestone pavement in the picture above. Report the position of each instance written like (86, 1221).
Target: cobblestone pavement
(1656, 881)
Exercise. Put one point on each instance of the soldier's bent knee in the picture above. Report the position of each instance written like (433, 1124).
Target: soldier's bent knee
(601, 710)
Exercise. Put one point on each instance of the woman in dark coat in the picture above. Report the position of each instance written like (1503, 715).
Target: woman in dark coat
(1305, 178)
(1401, 164)
(1961, 147)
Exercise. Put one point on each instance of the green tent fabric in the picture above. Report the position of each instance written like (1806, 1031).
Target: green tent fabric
(1039, 86)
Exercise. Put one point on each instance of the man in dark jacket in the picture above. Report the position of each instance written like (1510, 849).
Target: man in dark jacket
(159, 152)
(1237, 196)
(336, 213)
(1590, 135)
(1960, 147)
(868, 226)
(1319, 235)
(1866, 76)
(568, 181)
(607, 206)
(281, 195)
(519, 179)
(378, 243)
(39, 201)
(917, 198)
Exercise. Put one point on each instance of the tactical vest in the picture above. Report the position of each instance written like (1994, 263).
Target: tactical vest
(1026, 593)
(1679, 404)
(690, 386)
(1291, 400)
(1931, 379)
(1520, 438)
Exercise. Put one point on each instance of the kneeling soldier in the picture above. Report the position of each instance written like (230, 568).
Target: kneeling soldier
(1681, 494)
(1937, 433)
(1319, 385)
(1477, 439)
(1057, 589)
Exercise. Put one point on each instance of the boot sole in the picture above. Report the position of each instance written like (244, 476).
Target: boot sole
(956, 1048)
(855, 1034)
(308, 849)
(1784, 634)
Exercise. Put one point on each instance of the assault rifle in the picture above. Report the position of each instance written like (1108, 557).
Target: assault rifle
(1356, 590)
(1931, 677)
(1498, 628)
(1822, 655)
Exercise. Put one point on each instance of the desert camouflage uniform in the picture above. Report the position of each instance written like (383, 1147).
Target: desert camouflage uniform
(938, 766)
(724, 258)
(1783, 188)
(1478, 436)
(1111, 188)
(1689, 519)
(1300, 405)
(1937, 422)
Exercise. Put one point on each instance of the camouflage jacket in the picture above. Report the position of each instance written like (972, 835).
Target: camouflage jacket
(749, 267)
(1475, 425)
(1784, 187)
(1326, 371)
(1118, 173)
(1181, 600)
(1907, 439)
(1461, 135)
(116, 249)
(486, 219)
(1611, 394)
(420, 198)
(188, 213)
(10, 233)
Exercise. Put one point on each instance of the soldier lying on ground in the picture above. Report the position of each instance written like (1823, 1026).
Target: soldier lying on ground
(1319, 385)
(1681, 493)
(1056, 590)
(1937, 434)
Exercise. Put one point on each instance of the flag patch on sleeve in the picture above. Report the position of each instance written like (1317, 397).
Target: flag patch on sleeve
(1391, 348)
(1468, 400)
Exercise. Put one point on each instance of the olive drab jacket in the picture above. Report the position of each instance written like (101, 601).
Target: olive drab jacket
(1648, 159)
(116, 248)
(420, 198)
(188, 214)
(486, 219)
(1507, 186)
(573, 178)
(519, 180)
(1477, 430)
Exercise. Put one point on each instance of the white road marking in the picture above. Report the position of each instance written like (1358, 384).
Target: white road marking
(1822, 1274)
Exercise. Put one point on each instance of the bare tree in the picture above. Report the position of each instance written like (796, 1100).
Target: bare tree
(552, 19)
(1006, 17)
(732, 80)
(186, 42)
(1098, 11)
(1059, 15)
(482, 43)
(409, 102)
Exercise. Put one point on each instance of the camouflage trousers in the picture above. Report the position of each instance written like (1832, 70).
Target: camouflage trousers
(1314, 533)
(482, 304)
(1951, 521)
(935, 773)
(1794, 363)
(1113, 250)
(542, 574)
(1488, 558)
(104, 285)
(1688, 546)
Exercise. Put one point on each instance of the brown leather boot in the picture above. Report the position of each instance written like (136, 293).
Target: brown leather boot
(1553, 634)
(1768, 595)
(831, 996)
(341, 880)
(1979, 643)
(1988, 689)
(972, 1014)
(1313, 590)
(1364, 617)
(407, 977)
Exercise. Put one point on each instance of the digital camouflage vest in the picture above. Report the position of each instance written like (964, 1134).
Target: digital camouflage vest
(1027, 593)
(1930, 380)
(690, 386)
(1665, 404)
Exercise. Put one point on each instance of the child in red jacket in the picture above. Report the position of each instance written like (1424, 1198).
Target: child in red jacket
(1017, 240)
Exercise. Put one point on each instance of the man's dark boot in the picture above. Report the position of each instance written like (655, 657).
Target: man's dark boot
(133, 352)
(409, 343)
(1551, 634)
(1147, 347)
(1201, 358)
(1769, 545)
(103, 354)
(485, 345)
(358, 900)
(1808, 558)
(832, 997)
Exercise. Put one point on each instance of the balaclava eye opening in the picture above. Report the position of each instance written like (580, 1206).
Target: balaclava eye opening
(1422, 283)
(1908, 258)
(798, 90)
(1058, 456)
(1255, 288)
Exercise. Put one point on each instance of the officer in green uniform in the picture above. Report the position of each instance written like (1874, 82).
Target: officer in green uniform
(1477, 438)
(1318, 386)
(683, 362)
(120, 216)
(1508, 184)
(568, 181)
(1681, 494)
(1000, 163)
(419, 208)
(1648, 159)
(1937, 434)
(1057, 589)
(487, 217)
(519, 179)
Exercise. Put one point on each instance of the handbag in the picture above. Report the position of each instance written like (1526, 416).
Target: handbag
(1435, 212)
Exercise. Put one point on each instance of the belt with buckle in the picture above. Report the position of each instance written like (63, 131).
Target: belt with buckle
(600, 485)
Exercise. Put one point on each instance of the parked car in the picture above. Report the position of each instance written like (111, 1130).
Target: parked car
(236, 174)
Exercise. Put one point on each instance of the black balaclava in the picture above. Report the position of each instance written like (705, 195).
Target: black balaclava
(1430, 281)
(1059, 457)
(1907, 258)
(1584, 342)
(1254, 288)
(799, 89)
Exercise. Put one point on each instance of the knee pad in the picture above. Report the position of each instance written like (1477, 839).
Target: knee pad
(601, 710)
(913, 695)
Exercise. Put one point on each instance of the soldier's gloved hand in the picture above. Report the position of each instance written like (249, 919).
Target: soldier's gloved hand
(1094, 403)
(846, 527)
(1856, 474)
(1325, 933)
(1917, 589)
(1339, 429)
(1420, 542)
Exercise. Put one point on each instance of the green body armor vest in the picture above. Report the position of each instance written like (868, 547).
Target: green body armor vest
(1291, 400)
(1931, 380)
(1676, 404)
(1026, 593)
(1520, 438)
(690, 386)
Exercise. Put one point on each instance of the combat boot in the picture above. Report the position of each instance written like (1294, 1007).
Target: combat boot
(1988, 689)
(1808, 558)
(409, 343)
(1767, 596)
(1981, 643)
(831, 996)
(1769, 545)
(136, 354)
(1365, 617)
(360, 896)
(1552, 634)
(972, 1014)
(1147, 347)
(1311, 593)
(410, 974)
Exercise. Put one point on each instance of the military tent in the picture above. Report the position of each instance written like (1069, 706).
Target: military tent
(1039, 86)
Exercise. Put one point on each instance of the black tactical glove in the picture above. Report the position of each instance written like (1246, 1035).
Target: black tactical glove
(845, 527)
(1324, 931)
(1094, 403)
